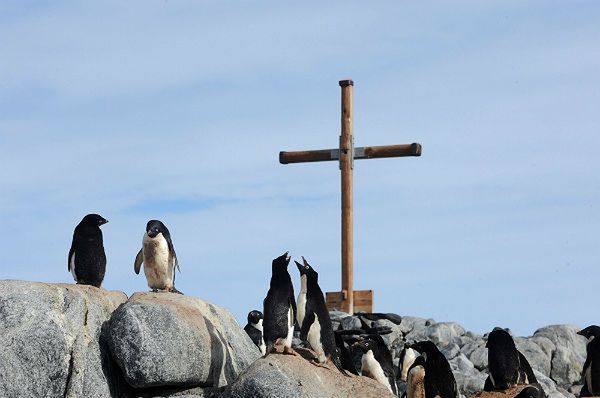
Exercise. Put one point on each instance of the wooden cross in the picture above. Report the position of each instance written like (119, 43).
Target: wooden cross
(349, 300)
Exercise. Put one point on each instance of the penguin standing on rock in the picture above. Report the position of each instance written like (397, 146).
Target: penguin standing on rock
(279, 308)
(254, 329)
(313, 317)
(439, 380)
(159, 258)
(377, 362)
(503, 360)
(591, 367)
(87, 260)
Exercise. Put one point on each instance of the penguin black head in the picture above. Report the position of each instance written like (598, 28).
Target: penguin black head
(155, 227)
(425, 348)
(93, 220)
(591, 332)
(306, 269)
(254, 316)
(280, 264)
(367, 345)
(500, 338)
(419, 361)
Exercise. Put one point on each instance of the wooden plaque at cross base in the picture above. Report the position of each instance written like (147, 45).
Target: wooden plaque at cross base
(363, 301)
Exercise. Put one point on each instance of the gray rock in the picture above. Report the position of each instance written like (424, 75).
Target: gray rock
(52, 343)
(410, 322)
(547, 383)
(445, 332)
(569, 354)
(337, 316)
(287, 376)
(350, 323)
(462, 364)
(536, 356)
(470, 383)
(450, 350)
(166, 339)
(479, 357)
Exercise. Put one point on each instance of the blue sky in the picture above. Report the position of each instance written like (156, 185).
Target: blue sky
(177, 110)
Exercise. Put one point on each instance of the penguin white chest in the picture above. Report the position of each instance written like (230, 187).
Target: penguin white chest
(371, 368)
(157, 262)
(302, 301)
(409, 357)
(314, 338)
(259, 326)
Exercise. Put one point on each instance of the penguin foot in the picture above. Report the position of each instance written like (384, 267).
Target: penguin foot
(318, 364)
(154, 290)
(289, 351)
(173, 290)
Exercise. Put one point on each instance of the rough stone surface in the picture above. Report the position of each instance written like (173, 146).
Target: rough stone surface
(52, 340)
(287, 376)
(167, 339)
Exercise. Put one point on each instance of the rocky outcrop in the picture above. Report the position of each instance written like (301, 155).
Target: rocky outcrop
(63, 340)
(556, 353)
(288, 376)
(167, 339)
(52, 341)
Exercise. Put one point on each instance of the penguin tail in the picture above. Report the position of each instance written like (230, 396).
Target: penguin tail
(338, 364)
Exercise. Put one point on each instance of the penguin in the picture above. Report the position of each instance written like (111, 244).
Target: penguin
(439, 379)
(86, 259)
(407, 357)
(159, 258)
(279, 308)
(254, 328)
(591, 367)
(377, 362)
(415, 379)
(503, 361)
(313, 317)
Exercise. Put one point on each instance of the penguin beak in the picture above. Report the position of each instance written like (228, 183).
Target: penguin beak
(103, 221)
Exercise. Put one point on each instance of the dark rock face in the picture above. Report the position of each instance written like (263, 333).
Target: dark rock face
(51, 339)
(166, 339)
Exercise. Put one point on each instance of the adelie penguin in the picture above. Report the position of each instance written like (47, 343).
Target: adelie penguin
(87, 260)
(376, 362)
(313, 317)
(439, 380)
(279, 307)
(254, 328)
(503, 361)
(159, 258)
(591, 367)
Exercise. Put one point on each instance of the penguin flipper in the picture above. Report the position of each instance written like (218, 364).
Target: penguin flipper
(306, 324)
(139, 259)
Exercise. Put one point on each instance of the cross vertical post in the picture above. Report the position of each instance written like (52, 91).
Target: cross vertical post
(349, 300)
(346, 166)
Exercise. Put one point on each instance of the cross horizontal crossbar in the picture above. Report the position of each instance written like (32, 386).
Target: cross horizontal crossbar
(367, 152)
